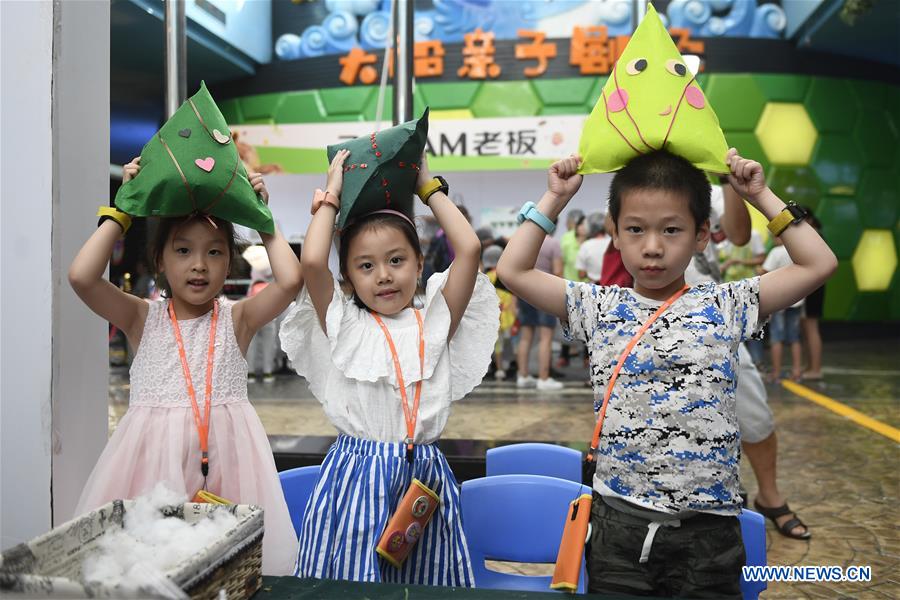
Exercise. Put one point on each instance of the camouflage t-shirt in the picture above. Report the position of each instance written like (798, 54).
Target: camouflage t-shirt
(670, 440)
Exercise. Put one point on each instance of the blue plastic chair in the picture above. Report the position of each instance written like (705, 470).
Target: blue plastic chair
(549, 460)
(753, 529)
(518, 518)
(298, 485)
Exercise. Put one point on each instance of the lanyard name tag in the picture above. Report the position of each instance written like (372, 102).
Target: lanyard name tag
(409, 414)
(405, 526)
(202, 423)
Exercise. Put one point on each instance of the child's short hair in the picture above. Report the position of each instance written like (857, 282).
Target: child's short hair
(367, 223)
(164, 226)
(662, 170)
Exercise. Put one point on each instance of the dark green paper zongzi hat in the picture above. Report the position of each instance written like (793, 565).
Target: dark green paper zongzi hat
(381, 170)
(191, 166)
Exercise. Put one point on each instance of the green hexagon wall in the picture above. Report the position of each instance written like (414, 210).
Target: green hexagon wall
(851, 175)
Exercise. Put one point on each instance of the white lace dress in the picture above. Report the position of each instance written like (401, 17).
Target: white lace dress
(157, 439)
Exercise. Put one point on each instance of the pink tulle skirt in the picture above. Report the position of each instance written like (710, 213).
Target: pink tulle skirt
(153, 444)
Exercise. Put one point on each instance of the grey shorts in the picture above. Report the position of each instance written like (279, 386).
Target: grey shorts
(754, 416)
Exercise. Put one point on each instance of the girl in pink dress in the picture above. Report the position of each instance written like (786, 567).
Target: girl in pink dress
(189, 425)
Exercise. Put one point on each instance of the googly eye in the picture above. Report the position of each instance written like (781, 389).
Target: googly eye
(635, 66)
(676, 67)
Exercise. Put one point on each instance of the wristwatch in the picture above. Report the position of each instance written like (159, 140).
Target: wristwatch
(320, 198)
(530, 212)
(108, 212)
(429, 188)
(790, 215)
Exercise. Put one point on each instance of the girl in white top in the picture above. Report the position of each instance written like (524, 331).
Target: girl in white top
(346, 346)
(183, 427)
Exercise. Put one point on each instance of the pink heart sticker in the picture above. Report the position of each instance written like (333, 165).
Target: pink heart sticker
(206, 164)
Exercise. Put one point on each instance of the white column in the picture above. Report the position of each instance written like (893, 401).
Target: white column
(55, 165)
(80, 396)
(26, 285)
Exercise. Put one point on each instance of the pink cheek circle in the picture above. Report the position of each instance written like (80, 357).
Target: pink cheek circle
(617, 100)
(695, 97)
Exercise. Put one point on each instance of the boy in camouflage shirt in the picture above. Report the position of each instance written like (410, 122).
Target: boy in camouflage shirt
(666, 484)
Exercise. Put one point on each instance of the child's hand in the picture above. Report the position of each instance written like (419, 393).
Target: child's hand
(424, 172)
(563, 179)
(335, 182)
(131, 170)
(259, 187)
(747, 177)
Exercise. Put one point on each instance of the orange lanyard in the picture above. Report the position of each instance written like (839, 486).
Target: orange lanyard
(595, 442)
(202, 423)
(409, 415)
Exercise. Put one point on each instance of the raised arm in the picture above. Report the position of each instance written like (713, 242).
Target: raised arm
(317, 245)
(466, 246)
(814, 262)
(86, 276)
(516, 267)
(735, 219)
(254, 312)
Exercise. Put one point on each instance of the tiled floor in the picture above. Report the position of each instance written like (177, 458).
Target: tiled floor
(840, 477)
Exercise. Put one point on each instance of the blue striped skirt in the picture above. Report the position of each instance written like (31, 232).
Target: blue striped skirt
(358, 489)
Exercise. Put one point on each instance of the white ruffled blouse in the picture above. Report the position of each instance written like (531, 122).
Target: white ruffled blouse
(351, 370)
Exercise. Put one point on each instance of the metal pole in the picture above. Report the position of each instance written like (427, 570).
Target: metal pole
(640, 9)
(176, 56)
(403, 61)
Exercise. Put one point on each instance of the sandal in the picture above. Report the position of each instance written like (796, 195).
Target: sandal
(787, 528)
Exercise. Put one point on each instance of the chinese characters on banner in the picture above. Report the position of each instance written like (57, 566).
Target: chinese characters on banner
(591, 49)
(523, 138)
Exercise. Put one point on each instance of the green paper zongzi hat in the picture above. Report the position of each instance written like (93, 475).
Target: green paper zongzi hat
(381, 170)
(650, 102)
(192, 165)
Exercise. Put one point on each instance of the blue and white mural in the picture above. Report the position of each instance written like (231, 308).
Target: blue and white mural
(366, 23)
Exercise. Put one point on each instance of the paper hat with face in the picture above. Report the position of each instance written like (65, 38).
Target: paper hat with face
(191, 166)
(650, 102)
(382, 169)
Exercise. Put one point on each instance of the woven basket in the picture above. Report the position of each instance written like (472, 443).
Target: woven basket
(50, 565)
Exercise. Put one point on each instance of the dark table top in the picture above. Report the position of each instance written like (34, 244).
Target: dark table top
(275, 588)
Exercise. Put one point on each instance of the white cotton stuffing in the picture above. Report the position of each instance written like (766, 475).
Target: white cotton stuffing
(150, 544)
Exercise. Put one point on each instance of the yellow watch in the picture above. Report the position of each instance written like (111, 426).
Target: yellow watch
(108, 212)
(438, 183)
(792, 213)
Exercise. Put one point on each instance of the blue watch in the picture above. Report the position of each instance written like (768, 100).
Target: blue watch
(529, 211)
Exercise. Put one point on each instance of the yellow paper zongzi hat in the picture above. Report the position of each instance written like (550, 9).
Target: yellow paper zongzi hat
(651, 101)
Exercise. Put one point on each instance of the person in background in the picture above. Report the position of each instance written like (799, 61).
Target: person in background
(741, 262)
(489, 259)
(576, 233)
(614, 271)
(533, 320)
(589, 261)
(485, 236)
(784, 327)
(264, 345)
(812, 312)
(440, 253)
(143, 286)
